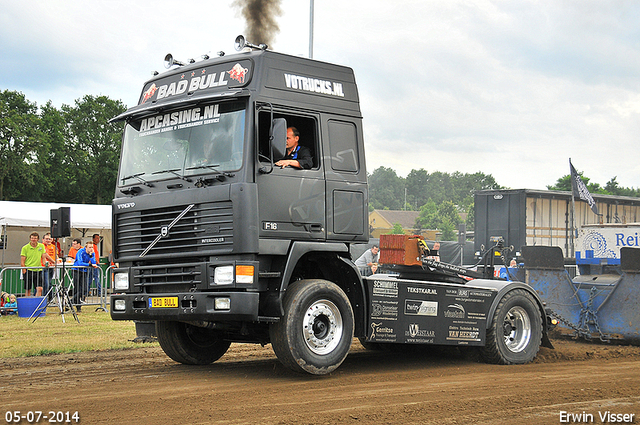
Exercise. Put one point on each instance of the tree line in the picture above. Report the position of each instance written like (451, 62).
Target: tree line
(71, 155)
(66, 155)
(612, 187)
(441, 198)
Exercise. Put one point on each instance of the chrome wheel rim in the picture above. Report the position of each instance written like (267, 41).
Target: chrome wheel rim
(322, 327)
(517, 329)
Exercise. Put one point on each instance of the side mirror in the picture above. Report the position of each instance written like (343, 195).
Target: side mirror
(278, 138)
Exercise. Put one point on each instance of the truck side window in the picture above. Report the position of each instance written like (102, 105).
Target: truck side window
(344, 146)
(308, 135)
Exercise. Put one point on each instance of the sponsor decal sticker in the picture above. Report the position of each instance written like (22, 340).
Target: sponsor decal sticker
(414, 331)
(212, 77)
(386, 309)
(185, 118)
(421, 308)
(421, 290)
(379, 332)
(238, 72)
(148, 94)
(454, 311)
(385, 289)
(313, 85)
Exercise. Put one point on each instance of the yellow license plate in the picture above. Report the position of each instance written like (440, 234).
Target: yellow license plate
(163, 302)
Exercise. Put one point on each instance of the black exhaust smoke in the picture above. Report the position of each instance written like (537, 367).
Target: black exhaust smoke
(260, 16)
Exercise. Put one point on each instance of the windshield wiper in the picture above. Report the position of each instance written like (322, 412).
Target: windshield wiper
(137, 176)
(211, 167)
(173, 171)
(197, 167)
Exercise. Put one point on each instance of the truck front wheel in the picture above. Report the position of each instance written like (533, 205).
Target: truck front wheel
(315, 334)
(190, 344)
(516, 330)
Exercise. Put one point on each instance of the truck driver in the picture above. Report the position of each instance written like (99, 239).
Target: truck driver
(297, 156)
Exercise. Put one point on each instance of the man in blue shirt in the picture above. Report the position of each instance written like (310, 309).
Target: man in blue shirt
(297, 156)
(85, 258)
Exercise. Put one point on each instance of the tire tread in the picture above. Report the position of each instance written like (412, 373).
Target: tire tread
(175, 343)
(492, 352)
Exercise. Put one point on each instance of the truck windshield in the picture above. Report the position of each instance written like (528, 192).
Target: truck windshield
(183, 142)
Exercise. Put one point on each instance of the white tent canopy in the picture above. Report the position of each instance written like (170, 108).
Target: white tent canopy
(38, 214)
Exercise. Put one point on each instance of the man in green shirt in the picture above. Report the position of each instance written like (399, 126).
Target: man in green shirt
(32, 256)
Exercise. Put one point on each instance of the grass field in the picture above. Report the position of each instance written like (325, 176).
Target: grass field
(21, 337)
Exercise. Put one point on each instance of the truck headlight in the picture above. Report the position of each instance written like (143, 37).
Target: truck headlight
(119, 305)
(121, 281)
(222, 303)
(223, 275)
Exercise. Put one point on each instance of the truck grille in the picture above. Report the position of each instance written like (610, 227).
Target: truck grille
(182, 276)
(204, 228)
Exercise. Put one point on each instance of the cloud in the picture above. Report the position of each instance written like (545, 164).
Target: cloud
(511, 89)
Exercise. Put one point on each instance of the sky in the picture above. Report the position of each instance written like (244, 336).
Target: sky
(507, 88)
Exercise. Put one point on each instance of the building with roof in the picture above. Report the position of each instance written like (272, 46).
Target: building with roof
(381, 222)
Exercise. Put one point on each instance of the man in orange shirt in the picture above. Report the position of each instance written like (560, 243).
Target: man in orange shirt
(96, 271)
(49, 269)
(76, 244)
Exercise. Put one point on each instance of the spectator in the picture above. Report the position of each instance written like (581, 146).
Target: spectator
(510, 272)
(4, 298)
(433, 253)
(366, 261)
(85, 257)
(12, 305)
(76, 244)
(96, 271)
(49, 269)
(32, 256)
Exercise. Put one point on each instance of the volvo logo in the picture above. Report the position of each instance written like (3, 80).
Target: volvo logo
(164, 231)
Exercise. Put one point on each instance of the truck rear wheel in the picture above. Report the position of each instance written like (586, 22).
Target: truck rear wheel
(315, 334)
(190, 344)
(516, 330)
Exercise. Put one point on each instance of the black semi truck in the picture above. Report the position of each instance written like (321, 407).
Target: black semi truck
(217, 244)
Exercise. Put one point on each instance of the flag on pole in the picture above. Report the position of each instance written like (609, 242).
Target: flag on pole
(580, 190)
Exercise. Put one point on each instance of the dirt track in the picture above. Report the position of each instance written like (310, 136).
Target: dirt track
(249, 385)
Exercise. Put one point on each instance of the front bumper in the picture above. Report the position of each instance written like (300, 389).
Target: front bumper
(243, 306)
